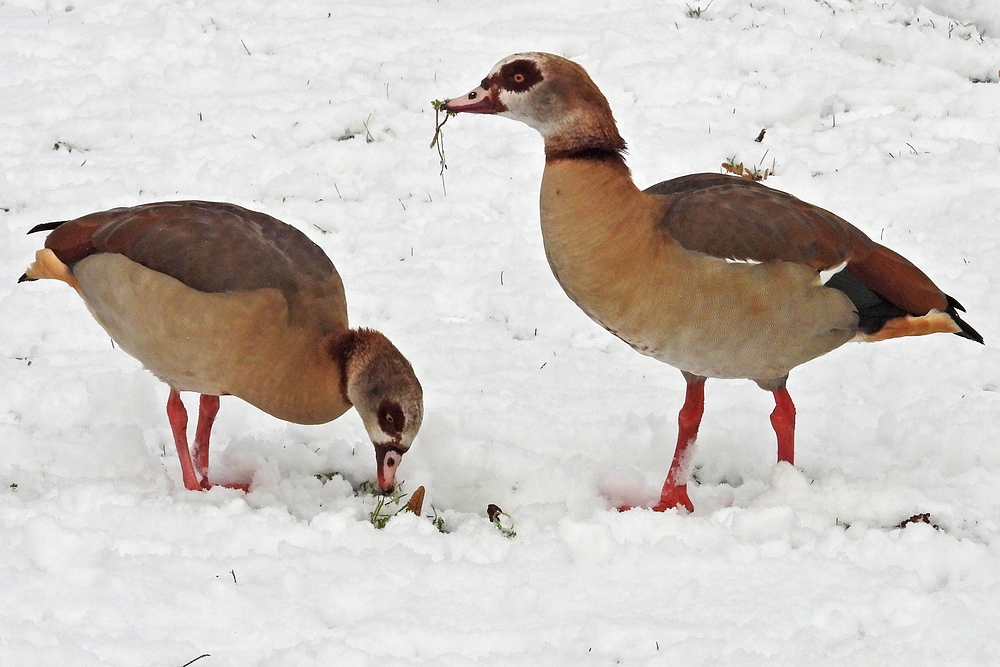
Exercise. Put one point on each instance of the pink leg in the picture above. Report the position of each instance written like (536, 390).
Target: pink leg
(207, 409)
(177, 416)
(783, 421)
(674, 493)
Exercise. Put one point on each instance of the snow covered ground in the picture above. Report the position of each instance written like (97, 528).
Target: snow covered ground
(319, 113)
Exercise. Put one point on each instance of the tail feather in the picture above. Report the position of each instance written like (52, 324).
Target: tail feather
(42, 227)
(893, 298)
(966, 331)
(48, 265)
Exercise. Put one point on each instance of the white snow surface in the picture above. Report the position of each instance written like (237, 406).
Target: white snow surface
(319, 113)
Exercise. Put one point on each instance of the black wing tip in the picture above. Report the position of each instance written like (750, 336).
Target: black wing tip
(45, 227)
(25, 278)
(953, 304)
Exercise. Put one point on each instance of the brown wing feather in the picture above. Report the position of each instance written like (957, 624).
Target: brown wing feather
(208, 246)
(896, 279)
(736, 218)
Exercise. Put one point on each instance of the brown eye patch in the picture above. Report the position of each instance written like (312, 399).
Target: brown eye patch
(519, 75)
(391, 419)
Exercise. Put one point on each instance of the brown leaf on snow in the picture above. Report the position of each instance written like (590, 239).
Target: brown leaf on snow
(416, 502)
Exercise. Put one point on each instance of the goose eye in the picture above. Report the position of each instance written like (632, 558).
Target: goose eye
(391, 419)
(520, 75)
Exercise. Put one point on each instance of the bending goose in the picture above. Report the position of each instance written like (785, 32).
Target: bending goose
(715, 275)
(219, 300)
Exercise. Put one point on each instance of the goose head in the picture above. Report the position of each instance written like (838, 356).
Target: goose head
(549, 93)
(383, 388)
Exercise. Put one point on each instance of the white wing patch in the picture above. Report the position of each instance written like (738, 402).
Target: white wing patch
(824, 276)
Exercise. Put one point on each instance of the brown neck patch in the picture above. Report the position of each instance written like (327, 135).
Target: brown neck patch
(587, 129)
(340, 349)
(594, 153)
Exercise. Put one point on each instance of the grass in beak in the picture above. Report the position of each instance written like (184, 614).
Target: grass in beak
(438, 140)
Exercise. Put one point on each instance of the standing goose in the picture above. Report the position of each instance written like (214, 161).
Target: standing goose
(715, 275)
(219, 300)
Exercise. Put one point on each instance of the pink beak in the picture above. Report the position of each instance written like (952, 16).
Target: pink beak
(386, 463)
(479, 100)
